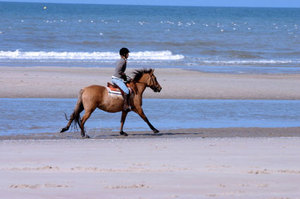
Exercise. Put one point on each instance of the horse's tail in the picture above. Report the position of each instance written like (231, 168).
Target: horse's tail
(75, 116)
(78, 109)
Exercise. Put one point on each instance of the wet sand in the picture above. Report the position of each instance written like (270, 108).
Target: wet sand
(63, 82)
(253, 132)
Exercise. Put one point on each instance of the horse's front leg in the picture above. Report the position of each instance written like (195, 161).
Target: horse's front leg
(141, 113)
(123, 118)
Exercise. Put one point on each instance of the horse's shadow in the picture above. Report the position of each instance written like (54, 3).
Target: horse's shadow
(150, 135)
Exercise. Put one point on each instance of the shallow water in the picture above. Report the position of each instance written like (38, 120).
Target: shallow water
(22, 116)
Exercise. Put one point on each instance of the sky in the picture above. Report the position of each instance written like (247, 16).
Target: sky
(230, 3)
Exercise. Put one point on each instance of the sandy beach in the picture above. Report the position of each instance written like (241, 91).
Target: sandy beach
(63, 82)
(261, 168)
(181, 163)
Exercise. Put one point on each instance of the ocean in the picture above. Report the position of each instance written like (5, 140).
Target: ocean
(209, 39)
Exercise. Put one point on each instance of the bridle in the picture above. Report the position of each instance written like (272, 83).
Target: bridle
(151, 82)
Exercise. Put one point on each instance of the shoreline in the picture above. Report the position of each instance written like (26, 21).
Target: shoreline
(65, 82)
(231, 132)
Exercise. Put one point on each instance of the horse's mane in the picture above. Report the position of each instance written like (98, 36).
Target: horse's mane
(139, 73)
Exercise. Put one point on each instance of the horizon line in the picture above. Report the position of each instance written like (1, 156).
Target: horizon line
(117, 4)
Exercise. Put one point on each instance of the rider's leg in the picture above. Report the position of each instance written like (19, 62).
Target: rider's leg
(126, 106)
(125, 93)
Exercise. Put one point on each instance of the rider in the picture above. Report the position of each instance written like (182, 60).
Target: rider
(120, 77)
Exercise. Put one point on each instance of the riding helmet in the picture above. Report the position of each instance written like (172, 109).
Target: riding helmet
(124, 51)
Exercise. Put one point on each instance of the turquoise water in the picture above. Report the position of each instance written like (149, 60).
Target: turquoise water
(21, 116)
(231, 40)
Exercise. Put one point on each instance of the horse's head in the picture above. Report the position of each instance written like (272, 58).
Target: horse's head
(148, 78)
(153, 83)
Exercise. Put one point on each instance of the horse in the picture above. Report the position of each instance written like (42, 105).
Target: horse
(97, 96)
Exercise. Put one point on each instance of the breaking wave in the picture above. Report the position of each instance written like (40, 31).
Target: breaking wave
(97, 56)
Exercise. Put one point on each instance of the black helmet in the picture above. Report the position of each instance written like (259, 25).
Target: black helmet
(124, 51)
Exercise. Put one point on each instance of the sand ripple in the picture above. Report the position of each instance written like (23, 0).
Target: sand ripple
(37, 186)
(94, 169)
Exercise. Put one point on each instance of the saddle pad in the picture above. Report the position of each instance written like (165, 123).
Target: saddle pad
(114, 91)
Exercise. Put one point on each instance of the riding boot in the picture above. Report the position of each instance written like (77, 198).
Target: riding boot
(126, 106)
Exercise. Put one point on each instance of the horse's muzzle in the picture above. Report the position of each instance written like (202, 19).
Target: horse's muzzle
(157, 89)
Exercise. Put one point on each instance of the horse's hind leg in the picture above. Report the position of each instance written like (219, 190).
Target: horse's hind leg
(85, 117)
(76, 114)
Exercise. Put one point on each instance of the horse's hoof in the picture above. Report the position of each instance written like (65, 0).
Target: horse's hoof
(85, 136)
(155, 131)
(123, 133)
(64, 129)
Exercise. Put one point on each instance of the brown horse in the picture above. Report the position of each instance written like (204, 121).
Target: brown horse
(95, 96)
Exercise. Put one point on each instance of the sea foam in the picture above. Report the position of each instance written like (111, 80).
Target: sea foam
(106, 56)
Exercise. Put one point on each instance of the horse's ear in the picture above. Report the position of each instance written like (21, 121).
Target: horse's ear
(152, 71)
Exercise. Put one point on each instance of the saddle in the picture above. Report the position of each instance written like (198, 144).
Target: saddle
(114, 89)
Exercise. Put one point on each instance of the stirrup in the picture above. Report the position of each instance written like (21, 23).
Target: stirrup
(127, 108)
